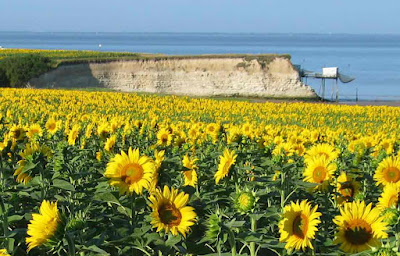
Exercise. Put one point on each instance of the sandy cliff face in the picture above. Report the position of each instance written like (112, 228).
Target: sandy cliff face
(193, 77)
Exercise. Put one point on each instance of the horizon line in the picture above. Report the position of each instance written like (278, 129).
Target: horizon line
(172, 32)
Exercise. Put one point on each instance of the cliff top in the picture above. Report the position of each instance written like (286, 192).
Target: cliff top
(60, 57)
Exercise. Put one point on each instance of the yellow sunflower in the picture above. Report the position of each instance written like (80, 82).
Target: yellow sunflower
(190, 174)
(159, 158)
(130, 172)
(212, 129)
(34, 129)
(347, 188)
(17, 132)
(170, 212)
(226, 161)
(99, 155)
(3, 252)
(320, 171)
(234, 135)
(88, 131)
(52, 125)
(103, 131)
(164, 137)
(299, 225)
(30, 149)
(73, 134)
(110, 143)
(359, 227)
(179, 139)
(43, 226)
(389, 198)
(321, 150)
(388, 171)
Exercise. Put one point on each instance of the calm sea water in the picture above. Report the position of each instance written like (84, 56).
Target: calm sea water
(373, 59)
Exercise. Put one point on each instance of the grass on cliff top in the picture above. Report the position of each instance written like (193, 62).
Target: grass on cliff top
(60, 57)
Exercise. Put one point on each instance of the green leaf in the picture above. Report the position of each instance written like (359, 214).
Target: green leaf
(14, 218)
(235, 224)
(107, 197)
(63, 184)
(125, 210)
(172, 240)
(94, 248)
(29, 166)
(10, 246)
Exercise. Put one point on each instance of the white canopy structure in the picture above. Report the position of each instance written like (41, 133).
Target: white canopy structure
(327, 73)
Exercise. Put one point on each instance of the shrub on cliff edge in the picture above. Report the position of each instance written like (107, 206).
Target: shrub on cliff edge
(3, 78)
(17, 71)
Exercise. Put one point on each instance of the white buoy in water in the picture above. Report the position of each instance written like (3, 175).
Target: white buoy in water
(100, 45)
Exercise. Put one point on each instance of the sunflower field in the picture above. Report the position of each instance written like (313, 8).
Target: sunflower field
(105, 173)
(63, 54)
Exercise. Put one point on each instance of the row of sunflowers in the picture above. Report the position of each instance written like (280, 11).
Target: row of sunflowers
(104, 173)
(63, 54)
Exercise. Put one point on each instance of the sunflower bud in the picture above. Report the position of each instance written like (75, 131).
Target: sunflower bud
(391, 216)
(244, 201)
(77, 222)
(214, 225)
(385, 252)
(359, 196)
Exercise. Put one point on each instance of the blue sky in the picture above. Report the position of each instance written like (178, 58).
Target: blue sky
(231, 16)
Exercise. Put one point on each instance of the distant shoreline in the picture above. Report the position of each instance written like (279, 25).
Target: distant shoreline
(203, 33)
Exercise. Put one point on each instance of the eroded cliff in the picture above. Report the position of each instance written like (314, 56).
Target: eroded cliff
(228, 76)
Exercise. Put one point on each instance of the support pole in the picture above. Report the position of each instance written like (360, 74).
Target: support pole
(356, 94)
(337, 91)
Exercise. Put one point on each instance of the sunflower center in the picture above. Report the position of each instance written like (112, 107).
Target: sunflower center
(300, 226)
(164, 138)
(347, 189)
(358, 233)
(392, 174)
(393, 201)
(17, 133)
(188, 175)
(34, 131)
(170, 215)
(104, 135)
(52, 126)
(244, 200)
(227, 166)
(132, 173)
(319, 174)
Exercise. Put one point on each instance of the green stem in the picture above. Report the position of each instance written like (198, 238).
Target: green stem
(42, 184)
(219, 247)
(253, 229)
(4, 216)
(397, 235)
(327, 220)
(2, 179)
(132, 220)
(197, 191)
(71, 245)
(283, 190)
(232, 242)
